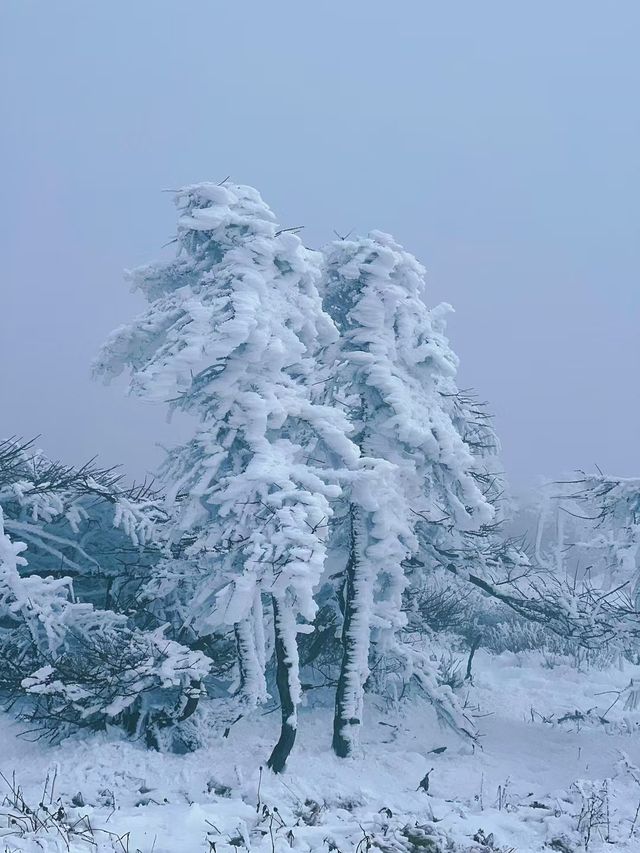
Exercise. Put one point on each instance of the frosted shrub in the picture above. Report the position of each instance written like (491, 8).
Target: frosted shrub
(518, 635)
(66, 660)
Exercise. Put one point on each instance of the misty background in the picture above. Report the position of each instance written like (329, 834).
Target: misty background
(498, 141)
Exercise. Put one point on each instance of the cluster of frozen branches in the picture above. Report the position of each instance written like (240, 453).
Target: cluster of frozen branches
(588, 550)
(335, 468)
(70, 653)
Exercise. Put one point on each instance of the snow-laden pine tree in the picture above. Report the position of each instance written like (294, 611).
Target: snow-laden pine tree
(395, 374)
(71, 652)
(231, 335)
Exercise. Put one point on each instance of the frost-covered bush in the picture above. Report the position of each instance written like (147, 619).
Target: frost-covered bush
(66, 659)
(137, 680)
(80, 524)
(514, 634)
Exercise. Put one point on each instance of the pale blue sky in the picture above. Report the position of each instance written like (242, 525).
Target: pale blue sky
(499, 141)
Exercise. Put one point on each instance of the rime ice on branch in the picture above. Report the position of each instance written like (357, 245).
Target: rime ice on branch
(66, 662)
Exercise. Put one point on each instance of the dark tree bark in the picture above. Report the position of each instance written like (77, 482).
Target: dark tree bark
(193, 698)
(475, 645)
(284, 667)
(355, 645)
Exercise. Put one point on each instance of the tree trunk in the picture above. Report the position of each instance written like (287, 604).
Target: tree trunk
(252, 683)
(286, 681)
(475, 645)
(356, 639)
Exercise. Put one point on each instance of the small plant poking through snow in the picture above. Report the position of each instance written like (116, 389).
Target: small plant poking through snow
(51, 824)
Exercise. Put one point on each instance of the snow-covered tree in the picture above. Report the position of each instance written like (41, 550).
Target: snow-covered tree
(66, 657)
(588, 528)
(395, 375)
(80, 523)
(614, 505)
(587, 537)
(231, 334)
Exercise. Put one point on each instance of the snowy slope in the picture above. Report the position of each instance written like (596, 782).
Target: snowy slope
(516, 786)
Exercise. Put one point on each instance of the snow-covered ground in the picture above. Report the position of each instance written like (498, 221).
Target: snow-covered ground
(514, 791)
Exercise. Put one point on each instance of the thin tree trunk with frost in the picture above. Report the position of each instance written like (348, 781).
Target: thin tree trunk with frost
(287, 682)
(356, 640)
(252, 683)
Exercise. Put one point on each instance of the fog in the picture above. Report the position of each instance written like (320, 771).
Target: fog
(498, 141)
